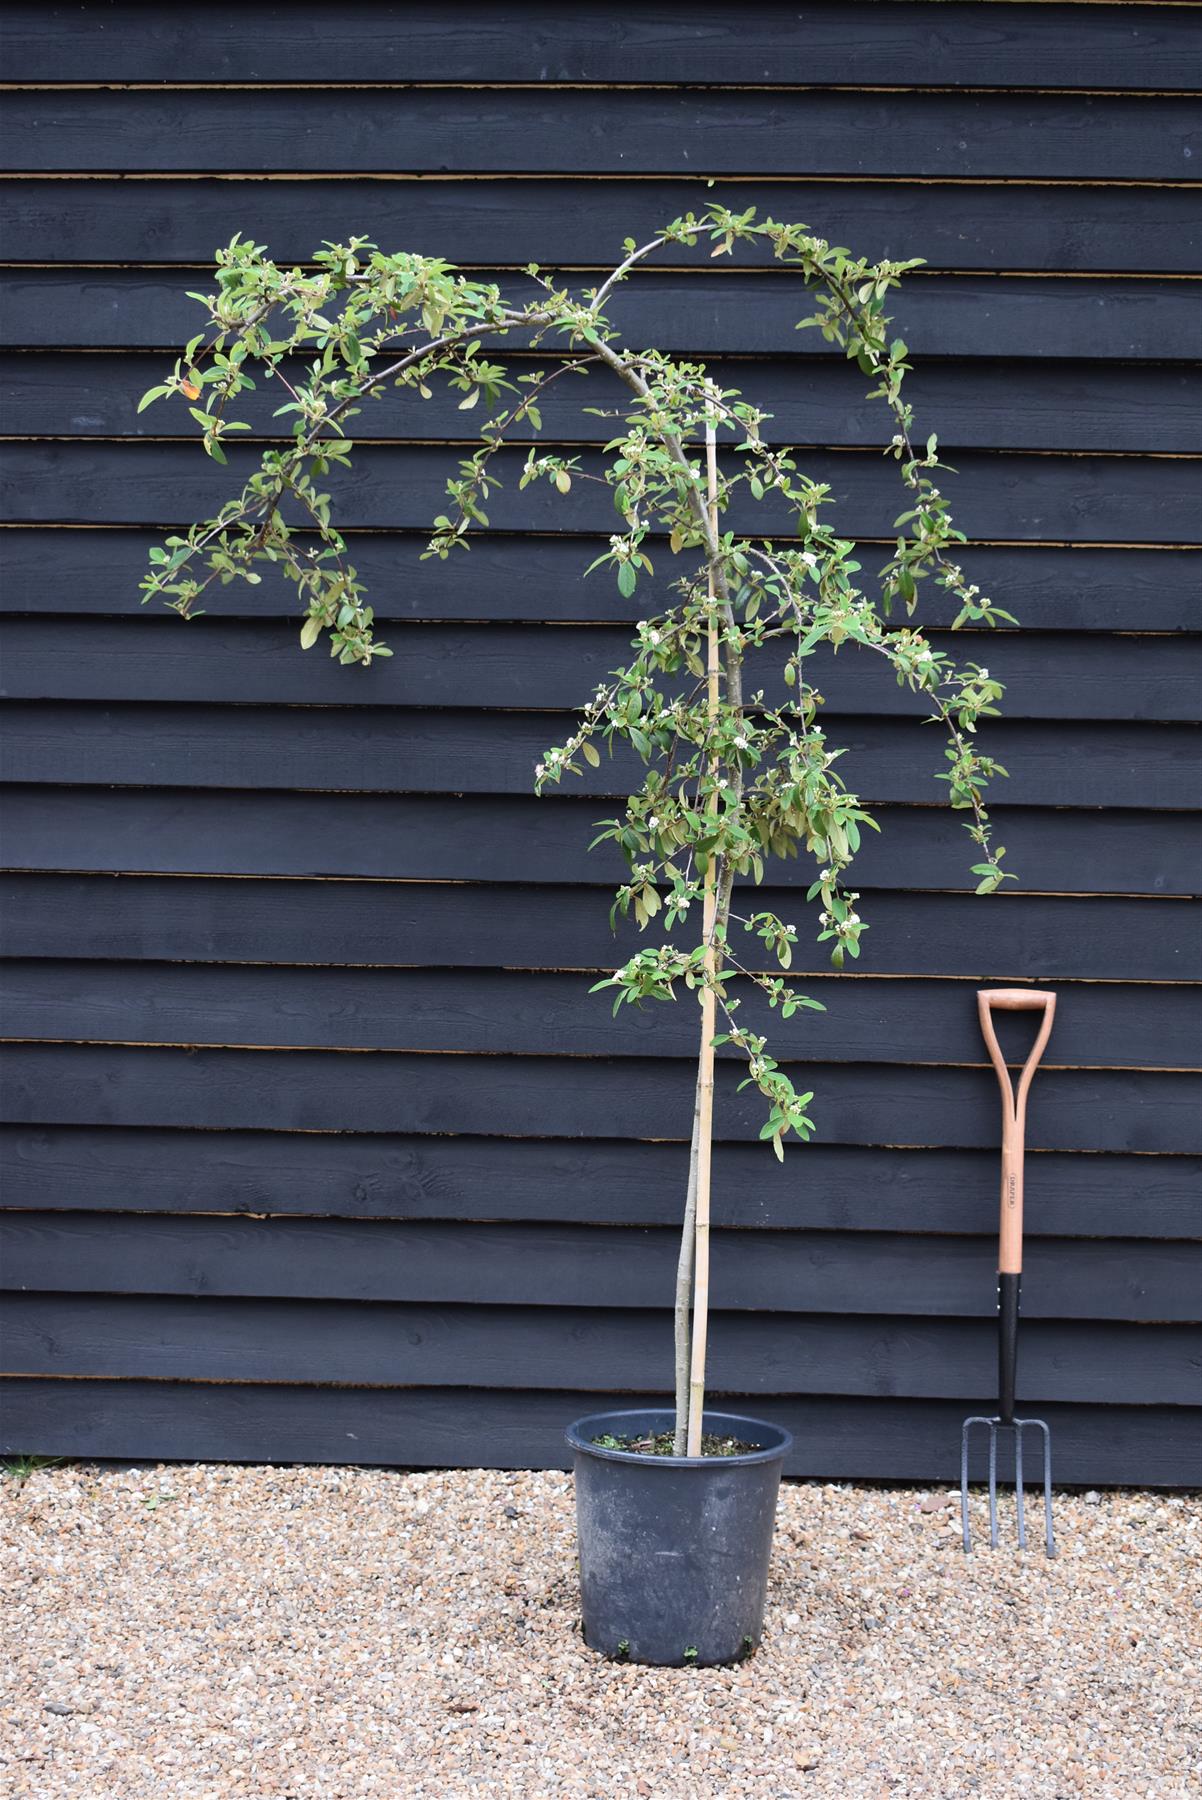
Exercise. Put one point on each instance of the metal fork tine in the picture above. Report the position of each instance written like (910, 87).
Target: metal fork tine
(964, 1487)
(993, 1485)
(1018, 1481)
(1049, 1540)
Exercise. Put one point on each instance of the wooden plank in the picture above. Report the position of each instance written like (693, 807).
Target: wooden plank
(384, 750)
(491, 1011)
(166, 1339)
(840, 1437)
(574, 1097)
(1013, 497)
(89, 571)
(152, 658)
(705, 312)
(458, 837)
(830, 1187)
(553, 1266)
(992, 405)
(948, 44)
(528, 131)
(1011, 938)
(962, 227)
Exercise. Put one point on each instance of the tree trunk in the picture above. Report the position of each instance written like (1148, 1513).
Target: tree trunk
(703, 1115)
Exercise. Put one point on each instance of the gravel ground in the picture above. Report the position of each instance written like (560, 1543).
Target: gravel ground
(197, 1632)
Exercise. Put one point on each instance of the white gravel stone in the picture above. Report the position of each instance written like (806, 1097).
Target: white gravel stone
(204, 1632)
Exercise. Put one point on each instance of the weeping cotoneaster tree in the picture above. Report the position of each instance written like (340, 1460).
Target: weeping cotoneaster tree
(734, 776)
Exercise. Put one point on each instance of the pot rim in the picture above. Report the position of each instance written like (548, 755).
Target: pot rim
(578, 1435)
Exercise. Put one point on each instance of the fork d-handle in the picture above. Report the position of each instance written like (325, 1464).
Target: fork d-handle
(1014, 1120)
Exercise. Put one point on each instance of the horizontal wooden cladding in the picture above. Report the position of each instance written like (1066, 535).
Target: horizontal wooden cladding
(380, 749)
(711, 312)
(1004, 940)
(400, 1346)
(497, 1011)
(154, 658)
(965, 227)
(553, 1266)
(952, 45)
(1095, 499)
(992, 405)
(110, 1169)
(456, 837)
(838, 1436)
(83, 570)
(575, 1097)
(1115, 137)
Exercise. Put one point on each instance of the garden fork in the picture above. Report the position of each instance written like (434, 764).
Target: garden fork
(1010, 1263)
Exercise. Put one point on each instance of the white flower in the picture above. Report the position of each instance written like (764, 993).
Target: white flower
(984, 675)
(540, 769)
(740, 743)
(653, 823)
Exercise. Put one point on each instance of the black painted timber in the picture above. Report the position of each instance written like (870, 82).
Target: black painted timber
(168, 1338)
(466, 924)
(731, 311)
(961, 227)
(995, 404)
(576, 1097)
(564, 132)
(1056, 588)
(154, 657)
(537, 1010)
(1006, 496)
(313, 1144)
(453, 837)
(890, 1439)
(536, 1266)
(113, 1168)
(924, 44)
(377, 749)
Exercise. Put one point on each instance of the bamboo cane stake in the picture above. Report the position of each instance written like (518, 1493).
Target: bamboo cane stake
(705, 1082)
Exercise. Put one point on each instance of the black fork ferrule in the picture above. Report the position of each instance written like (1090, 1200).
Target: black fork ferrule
(1007, 1344)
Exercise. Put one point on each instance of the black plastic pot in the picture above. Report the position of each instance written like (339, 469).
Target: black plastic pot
(674, 1549)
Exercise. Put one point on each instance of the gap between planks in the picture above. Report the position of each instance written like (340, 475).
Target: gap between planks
(519, 443)
(335, 88)
(780, 273)
(500, 881)
(577, 1056)
(586, 537)
(475, 176)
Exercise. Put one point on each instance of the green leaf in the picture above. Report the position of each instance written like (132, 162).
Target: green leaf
(310, 632)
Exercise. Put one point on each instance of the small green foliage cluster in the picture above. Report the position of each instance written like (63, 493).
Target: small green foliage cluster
(727, 786)
(19, 1469)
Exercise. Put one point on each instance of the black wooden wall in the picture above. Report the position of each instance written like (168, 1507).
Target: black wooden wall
(315, 1145)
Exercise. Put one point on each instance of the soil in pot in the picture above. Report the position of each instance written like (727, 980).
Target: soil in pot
(664, 1444)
